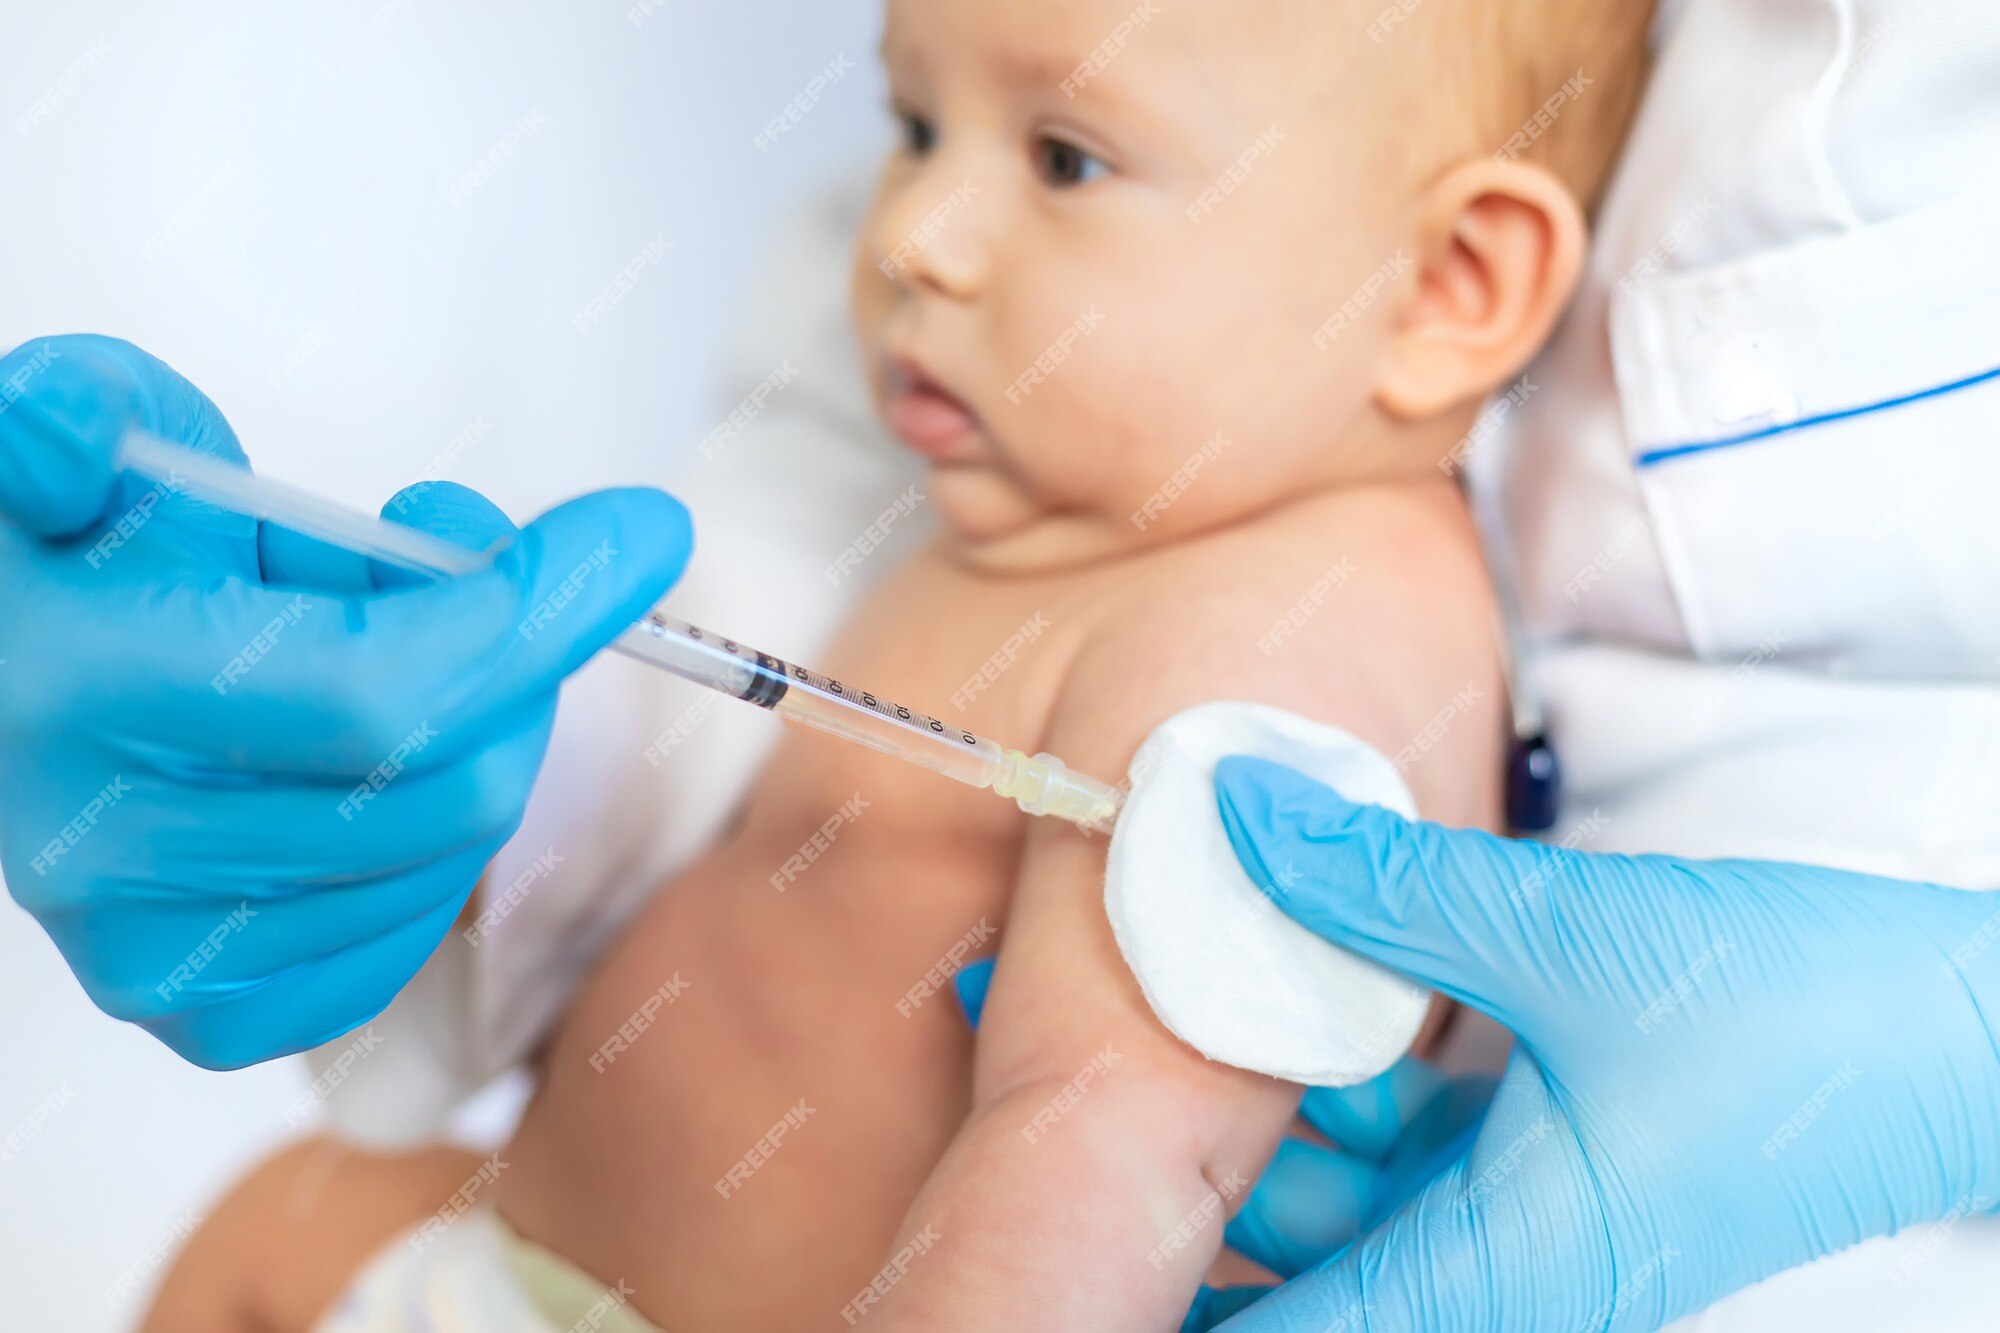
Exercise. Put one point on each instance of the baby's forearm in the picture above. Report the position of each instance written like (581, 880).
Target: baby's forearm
(1091, 1201)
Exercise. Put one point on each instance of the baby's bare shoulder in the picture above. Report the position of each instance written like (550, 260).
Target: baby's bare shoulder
(1370, 609)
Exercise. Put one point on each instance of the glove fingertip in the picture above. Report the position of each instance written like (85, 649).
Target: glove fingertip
(971, 985)
(1245, 805)
(1277, 818)
(71, 403)
(654, 530)
(1274, 801)
(443, 509)
(451, 511)
(1368, 1118)
(600, 561)
(1307, 1204)
(1305, 845)
(567, 586)
(446, 509)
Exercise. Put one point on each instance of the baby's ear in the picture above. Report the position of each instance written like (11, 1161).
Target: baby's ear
(1502, 244)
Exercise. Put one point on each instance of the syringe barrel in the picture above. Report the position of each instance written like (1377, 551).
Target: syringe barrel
(813, 700)
(696, 655)
(830, 705)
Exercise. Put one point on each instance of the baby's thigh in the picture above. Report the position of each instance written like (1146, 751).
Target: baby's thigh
(278, 1249)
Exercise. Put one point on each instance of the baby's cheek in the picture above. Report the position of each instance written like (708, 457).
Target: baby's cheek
(1152, 457)
(1159, 449)
(1189, 429)
(1095, 429)
(870, 296)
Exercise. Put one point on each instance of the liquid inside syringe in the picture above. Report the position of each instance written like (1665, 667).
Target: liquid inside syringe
(1040, 784)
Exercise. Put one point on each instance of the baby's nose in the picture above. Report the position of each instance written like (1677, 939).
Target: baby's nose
(930, 234)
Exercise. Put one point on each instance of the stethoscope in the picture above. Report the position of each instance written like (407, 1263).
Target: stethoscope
(1533, 776)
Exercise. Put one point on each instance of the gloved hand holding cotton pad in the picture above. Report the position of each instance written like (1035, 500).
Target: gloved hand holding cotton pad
(1222, 967)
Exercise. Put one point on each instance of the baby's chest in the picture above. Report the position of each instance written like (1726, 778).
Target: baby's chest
(951, 656)
(881, 862)
(954, 661)
(900, 803)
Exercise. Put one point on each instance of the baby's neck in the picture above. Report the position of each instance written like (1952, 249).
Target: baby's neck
(1374, 453)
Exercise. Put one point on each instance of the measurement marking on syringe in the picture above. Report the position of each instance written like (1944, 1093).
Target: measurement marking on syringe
(924, 721)
(771, 681)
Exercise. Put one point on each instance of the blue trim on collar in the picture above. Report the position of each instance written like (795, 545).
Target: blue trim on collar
(1670, 452)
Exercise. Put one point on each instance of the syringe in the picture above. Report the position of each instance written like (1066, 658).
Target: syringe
(1040, 784)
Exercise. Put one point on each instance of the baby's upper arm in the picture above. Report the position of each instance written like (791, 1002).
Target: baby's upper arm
(1376, 628)
(1097, 1138)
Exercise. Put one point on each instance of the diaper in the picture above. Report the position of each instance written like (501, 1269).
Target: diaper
(478, 1276)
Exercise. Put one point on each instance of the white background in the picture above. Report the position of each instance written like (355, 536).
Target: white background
(273, 199)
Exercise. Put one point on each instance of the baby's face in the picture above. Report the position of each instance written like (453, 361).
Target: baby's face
(1096, 284)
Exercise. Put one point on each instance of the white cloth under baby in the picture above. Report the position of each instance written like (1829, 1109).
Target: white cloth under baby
(473, 1273)
(1225, 970)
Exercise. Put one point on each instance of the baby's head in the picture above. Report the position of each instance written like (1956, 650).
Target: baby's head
(1138, 272)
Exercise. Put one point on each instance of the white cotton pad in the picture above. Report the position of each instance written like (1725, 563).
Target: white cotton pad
(1225, 970)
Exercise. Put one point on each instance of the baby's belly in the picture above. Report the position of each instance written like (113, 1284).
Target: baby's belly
(750, 1089)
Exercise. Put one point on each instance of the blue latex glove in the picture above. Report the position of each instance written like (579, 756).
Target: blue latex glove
(248, 781)
(1724, 1069)
(1394, 1133)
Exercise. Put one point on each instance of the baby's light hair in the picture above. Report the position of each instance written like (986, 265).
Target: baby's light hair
(1555, 46)
(1555, 82)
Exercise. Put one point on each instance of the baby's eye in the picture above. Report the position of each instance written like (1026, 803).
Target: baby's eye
(1064, 165)
(919, 135)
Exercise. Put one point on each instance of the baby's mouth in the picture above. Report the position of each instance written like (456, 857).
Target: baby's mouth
(928, 417)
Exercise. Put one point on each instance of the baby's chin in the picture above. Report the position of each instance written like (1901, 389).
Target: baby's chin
(990, 523)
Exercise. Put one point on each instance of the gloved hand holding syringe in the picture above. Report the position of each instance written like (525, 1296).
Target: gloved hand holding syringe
(1041, 784)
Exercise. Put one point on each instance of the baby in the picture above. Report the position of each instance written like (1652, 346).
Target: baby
(1186, 306)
